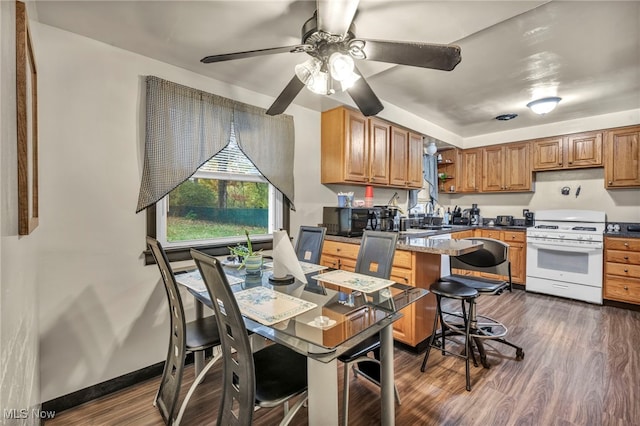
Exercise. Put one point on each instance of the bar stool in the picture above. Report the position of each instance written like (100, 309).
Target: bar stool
(452, 290)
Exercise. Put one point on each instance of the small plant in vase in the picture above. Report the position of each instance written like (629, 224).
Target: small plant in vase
(443, 180)
(252, 260)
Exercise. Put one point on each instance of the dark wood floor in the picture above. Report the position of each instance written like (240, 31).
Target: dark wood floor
(581, 367)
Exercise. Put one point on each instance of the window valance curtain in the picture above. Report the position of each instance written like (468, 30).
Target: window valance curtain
(185, 127)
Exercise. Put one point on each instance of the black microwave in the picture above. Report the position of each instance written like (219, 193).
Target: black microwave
(345, 221)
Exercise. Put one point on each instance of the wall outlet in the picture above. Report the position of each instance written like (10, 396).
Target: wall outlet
(524, 212)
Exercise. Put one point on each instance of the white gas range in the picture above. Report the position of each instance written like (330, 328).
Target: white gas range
(564, 254)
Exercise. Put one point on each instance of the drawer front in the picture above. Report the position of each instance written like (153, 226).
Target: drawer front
(514, 236)
(342, 250)
(486, 233)
(618, 256)
(462, 234)
(623, 270)
(402, 276)
(622, 289)
(402, 259)
(632, 244)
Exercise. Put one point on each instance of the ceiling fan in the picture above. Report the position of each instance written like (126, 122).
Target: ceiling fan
(328, 38)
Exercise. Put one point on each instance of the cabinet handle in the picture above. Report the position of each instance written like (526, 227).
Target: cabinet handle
(626, 288)
(610, 183)
(570, 162)
(626, 258)
(626, 270)
(626, 244)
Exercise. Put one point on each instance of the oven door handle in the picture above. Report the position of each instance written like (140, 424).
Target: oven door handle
(572, 249)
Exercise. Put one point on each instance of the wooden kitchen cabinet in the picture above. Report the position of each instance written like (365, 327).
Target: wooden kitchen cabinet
(622, 158)
(411, 268)
(622, 269)
(580, 150)
(405, 163)
(506, 168)
(368, 151)
(354, 149)
(470, 171)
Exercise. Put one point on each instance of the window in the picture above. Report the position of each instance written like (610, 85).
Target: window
(214, 207)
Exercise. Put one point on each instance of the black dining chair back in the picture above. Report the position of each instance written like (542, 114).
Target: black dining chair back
(268, 377)
(309, 243)
(375, 258)
(194, 336)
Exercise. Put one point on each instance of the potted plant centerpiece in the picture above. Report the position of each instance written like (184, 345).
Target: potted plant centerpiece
(252, 260)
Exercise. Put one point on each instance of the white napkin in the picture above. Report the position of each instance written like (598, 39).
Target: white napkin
(285, 260)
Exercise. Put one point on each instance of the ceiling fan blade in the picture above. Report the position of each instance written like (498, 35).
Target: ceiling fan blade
(287, 96)
(443, 57)
(260, 52)
(363, 96)
(335, 16)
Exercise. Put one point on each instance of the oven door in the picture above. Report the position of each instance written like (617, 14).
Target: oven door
(565, 261)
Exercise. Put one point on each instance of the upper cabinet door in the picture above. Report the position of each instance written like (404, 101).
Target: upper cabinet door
(584, 150)
(379, 132)
(492, 168)
(548, 153)
(399, 154)
(356, 148)
(414, 161)
(622, 167)
(470, 170)
(517, 168)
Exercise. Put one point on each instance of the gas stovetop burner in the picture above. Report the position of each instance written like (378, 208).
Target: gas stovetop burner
(547, 226)
(584, 228)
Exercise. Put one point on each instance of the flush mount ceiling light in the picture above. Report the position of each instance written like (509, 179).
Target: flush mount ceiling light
(544, 105)
(432, 148)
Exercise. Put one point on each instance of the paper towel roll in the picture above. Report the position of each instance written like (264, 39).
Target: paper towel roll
(285, 260)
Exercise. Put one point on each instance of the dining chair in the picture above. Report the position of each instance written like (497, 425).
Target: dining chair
(267, 378)
(309, 243)
(375, 258)
(195, 336)
(491, 258)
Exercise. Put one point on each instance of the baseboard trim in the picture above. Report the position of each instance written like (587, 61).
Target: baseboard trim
(99, 390)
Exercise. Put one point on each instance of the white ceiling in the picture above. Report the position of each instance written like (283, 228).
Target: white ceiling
(587, 52)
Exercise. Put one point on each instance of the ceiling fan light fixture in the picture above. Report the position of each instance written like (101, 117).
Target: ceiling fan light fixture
(348, 82)
(341, 66)
(319, 83)
(544, 105)
(308, 69)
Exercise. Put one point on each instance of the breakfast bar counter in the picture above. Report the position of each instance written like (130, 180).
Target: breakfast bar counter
(416, 263)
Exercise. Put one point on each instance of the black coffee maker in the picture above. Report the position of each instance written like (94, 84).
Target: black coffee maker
(474, 215)
(528, 218)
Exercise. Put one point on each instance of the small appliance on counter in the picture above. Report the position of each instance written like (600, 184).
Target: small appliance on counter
(504, 221)
(474, 215)
(528, 218)
(345, 221)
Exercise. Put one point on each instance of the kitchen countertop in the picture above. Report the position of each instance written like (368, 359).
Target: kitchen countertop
(624, 233)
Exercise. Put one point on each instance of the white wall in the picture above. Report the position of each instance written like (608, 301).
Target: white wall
(19, 374)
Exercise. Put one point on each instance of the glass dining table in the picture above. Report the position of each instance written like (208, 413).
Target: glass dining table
(321, 319)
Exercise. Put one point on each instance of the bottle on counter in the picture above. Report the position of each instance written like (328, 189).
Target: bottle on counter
(447, 217)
